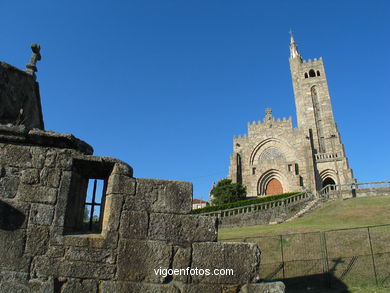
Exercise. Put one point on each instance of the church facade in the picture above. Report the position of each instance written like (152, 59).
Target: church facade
(276, 158)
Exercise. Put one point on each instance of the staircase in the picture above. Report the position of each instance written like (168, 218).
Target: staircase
(307, 209)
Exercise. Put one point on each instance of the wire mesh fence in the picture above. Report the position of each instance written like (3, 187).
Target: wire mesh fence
(330, 259)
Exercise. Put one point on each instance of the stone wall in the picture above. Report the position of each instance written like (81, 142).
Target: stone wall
(19, 98)
(262, 217)
(145, 225)
(351, 193)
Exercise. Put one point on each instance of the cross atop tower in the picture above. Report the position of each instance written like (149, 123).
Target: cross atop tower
(293, 47)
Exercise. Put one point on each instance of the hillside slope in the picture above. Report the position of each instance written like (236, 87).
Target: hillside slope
(338, 214)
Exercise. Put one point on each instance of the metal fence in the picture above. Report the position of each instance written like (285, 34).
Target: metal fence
(330, 259)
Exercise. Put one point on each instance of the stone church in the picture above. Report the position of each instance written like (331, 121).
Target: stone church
(276, 158)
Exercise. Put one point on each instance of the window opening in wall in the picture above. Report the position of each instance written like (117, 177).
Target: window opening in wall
(306, 76)
(289, 167)
(296, 169)
(86, 198)
(312, 73)
(93, 205)
(318, 73)
(253, 171)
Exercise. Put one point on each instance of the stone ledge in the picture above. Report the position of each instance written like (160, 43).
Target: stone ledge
(20, 134)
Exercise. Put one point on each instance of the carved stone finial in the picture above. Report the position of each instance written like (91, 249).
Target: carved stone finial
(35, 57)
(268, 116)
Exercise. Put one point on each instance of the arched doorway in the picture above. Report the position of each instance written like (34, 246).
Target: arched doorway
(328, 181)
(273, 187)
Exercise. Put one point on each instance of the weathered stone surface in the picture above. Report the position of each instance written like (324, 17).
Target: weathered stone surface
(17, 156)
(50, 160)
(12, 251)
(64, 160)
(11, 282)
(121, 184)
(112, 212)
(122, 168)
(181, 260)
(31, 286)
(125, 287)
(50, 177)
(107, 240)
(161, 196)
(87, 270)
(36, 193)
(37, 240)
(90, 255)
(41, 214)
(55, 251)
(15, 287)
(134, 225)
(197, 288)
(19, 91)
(76, 285)
(9, 181)
(131, 260)
(43, 266)
(62, 202)
(37, 157)
(175, 228)
(266, 287)
(30, 176)
(242, 258)
(13, 276)
(41, 286)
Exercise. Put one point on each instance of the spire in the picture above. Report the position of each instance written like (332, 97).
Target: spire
(293, 47)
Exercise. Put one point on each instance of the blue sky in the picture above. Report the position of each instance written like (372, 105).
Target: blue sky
(165, 85)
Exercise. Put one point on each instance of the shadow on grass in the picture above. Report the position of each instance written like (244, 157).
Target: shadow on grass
(316, 283)
(320, 283)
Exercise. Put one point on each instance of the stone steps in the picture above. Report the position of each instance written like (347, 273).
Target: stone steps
(307, 209)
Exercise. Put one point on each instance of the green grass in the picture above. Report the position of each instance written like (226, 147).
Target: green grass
(370, 289)
(338, 214)
(300, 250)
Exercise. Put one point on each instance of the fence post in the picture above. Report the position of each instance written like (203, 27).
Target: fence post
(372, 256)
(281, 250)
(325, 263)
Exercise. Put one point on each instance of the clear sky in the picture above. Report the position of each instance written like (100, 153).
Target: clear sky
(164, 85)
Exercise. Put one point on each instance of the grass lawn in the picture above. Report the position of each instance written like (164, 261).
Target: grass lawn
(337, 214)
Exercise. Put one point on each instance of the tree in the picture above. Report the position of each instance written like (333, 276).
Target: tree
(225, 192)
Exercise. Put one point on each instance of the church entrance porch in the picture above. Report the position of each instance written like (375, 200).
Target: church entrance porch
(328, 181)
(273, 187)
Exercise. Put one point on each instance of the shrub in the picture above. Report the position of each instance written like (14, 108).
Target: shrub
(226, 191)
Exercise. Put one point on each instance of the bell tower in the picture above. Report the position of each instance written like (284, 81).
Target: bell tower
(312, 99)
(315, 115)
